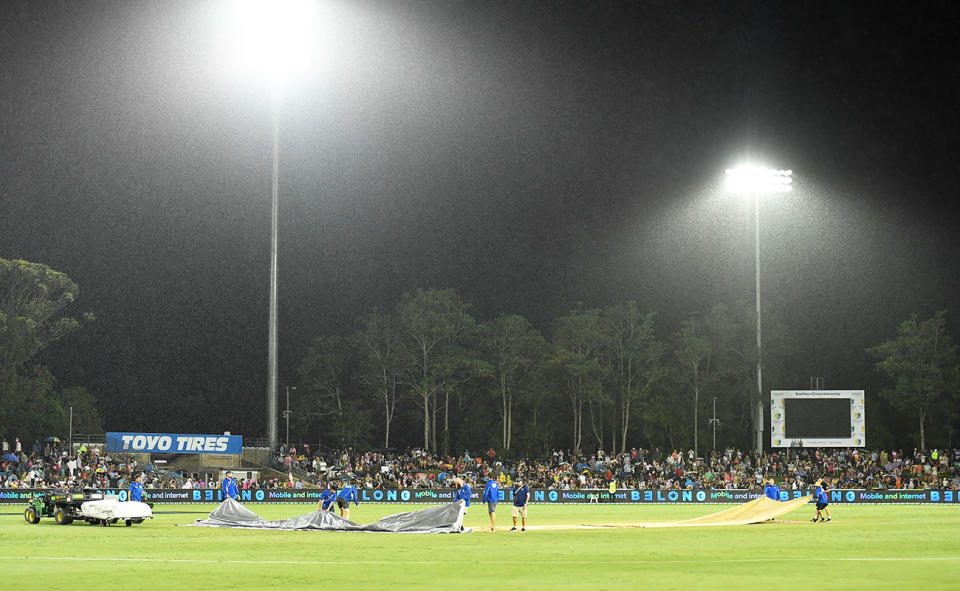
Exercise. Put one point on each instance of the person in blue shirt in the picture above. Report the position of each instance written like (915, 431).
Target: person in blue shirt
(229, 487)
(347, 493)
(821, 498)
(136, 490)
(462, 493)
(771, 490)
(462, 496)
(327, 499)
(520, 495)
(491, 496)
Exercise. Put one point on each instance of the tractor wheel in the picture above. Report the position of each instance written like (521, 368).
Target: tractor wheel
(61, 518)
(128, 523)
(31, 515)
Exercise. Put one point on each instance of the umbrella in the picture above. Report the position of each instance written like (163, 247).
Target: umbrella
(10, 458)
(53, 439)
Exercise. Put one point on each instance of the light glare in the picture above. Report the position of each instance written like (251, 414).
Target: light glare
(274, 37)
(758, 179)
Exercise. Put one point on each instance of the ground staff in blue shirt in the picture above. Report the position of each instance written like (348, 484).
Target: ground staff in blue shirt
(520, 495)
(347, 493)
(822, 499)
(771, 490)
(136, 490)
(229, 487)
(491, 496)
(463, 494)
(326, 500)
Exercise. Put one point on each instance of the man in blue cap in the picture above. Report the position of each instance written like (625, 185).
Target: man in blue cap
(521, 492)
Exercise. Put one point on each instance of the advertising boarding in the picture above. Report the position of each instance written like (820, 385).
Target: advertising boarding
(167, 443)
(537, 496)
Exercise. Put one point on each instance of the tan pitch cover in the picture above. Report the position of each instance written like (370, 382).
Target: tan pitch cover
(755, 511)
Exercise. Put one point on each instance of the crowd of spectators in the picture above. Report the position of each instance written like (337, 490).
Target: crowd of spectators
(638, 468)
(49, 464)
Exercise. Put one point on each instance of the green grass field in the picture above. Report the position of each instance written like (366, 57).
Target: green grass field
(878, 547)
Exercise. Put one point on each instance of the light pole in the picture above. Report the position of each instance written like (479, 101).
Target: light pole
(273, 37)
(756, 181)
(272, 331)
(714, 422)
(286, 413)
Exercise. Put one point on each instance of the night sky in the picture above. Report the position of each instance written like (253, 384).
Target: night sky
(530, 155)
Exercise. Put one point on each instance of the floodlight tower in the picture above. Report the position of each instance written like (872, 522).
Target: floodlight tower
(287, 413)
(273, 37)
(756, 181)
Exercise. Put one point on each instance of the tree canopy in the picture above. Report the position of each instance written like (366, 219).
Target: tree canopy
(921, 363)
(33, 314)
(428, 374)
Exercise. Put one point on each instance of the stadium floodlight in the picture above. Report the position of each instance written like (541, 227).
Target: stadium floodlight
(755, 181)
(272, 38)
(758, 180)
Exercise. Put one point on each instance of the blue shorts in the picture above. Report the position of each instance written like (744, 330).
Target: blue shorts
(821, 506)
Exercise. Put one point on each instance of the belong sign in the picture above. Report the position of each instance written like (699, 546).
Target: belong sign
(174, 443)
(538, 496)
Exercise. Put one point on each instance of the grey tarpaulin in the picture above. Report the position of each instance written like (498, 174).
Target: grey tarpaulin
(442, 519)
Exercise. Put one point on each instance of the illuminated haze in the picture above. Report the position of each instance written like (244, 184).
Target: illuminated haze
(531, 156)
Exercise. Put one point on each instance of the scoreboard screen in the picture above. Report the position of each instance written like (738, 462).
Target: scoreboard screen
(812, 418)
(817, 418)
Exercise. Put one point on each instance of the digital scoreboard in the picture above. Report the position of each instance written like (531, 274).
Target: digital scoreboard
(817, 418)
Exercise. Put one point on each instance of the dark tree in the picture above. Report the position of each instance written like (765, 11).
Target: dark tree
(921, 362)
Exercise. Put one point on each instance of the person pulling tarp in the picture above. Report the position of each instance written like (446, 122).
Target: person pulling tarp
(446, 518)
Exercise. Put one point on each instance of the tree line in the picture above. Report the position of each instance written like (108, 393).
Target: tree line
(428, 374)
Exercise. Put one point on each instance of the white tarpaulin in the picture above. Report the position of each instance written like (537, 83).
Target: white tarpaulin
(442, 519)
(113, 508)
